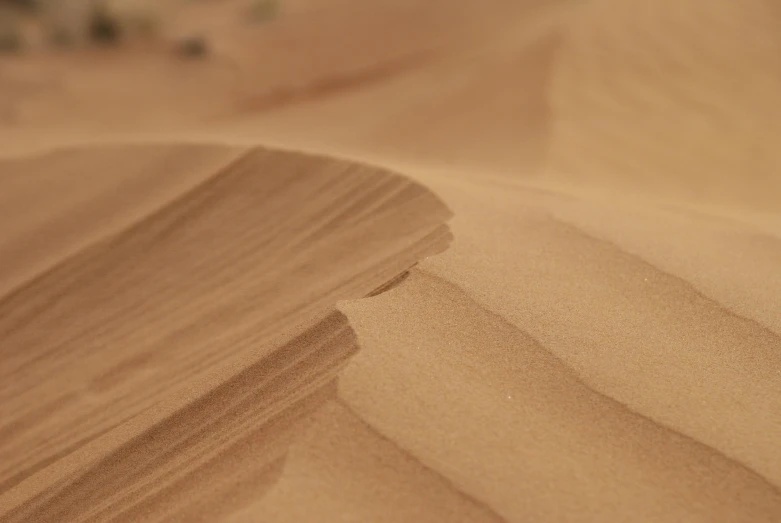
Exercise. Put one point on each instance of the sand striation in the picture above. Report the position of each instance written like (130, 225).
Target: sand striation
(213, 313)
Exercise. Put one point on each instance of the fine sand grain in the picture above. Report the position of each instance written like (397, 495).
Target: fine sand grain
(599, 340)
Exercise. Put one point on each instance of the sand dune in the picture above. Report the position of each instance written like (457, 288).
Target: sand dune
(112, 394)
(601, 341)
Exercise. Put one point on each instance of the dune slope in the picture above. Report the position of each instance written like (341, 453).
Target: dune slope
(601, 341)
(167, 345)
(609, 226)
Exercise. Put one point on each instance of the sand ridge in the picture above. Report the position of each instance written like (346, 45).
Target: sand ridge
(140, 420)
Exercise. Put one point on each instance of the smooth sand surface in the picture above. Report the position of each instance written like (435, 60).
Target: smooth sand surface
(185, 271)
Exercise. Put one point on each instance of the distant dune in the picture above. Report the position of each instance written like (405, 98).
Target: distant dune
(600, 341)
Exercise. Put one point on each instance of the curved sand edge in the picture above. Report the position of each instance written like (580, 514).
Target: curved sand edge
(200, 374)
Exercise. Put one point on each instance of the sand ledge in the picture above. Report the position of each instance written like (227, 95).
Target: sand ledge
(232, 376)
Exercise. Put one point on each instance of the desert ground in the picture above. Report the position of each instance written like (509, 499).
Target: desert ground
(395, 261)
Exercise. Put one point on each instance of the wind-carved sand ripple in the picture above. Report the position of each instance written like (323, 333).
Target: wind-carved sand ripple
(140, 369)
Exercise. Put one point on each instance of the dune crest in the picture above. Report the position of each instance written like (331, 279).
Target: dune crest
(199, 334)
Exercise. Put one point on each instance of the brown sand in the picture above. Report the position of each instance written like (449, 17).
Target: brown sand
(601, 341)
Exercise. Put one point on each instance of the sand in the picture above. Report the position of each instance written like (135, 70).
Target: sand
(423, 261)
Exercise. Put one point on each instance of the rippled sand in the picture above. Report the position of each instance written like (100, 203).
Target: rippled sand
(420, 261)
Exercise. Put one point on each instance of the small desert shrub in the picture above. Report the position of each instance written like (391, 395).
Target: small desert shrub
(10, 42)
(192, 47)
(27, 5)
(59, 36)
(10, 34)
(136, 18)
(263, 10)
(102, 26)
(100, 21)
(66, 22)
(144, 25)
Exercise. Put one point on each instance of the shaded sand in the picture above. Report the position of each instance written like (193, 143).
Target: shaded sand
(198, 333)
(600, 342)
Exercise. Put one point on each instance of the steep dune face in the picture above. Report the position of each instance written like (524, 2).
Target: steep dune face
(137, 367)
(45, 216)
